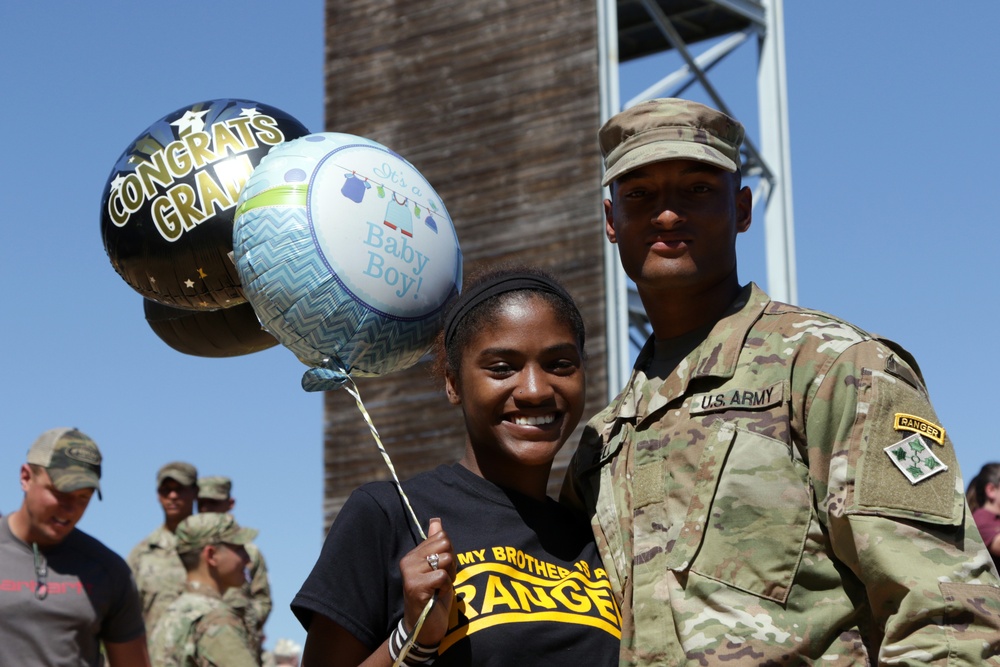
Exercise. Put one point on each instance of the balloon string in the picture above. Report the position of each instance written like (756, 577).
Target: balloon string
(352, 389)
(412, 639)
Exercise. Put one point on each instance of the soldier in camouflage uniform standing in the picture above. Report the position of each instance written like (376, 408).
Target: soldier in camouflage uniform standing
(252, 600)
(199, 629)
(772, 486)
(154, 562)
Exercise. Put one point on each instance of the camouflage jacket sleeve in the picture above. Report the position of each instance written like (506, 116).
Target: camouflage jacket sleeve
(159, 574)
(889, 490)
(134, 561)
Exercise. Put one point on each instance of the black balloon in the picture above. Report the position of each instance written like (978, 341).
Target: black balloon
(168, 205)
(227, 332)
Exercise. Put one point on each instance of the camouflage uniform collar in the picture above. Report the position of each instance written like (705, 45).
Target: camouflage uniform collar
(199, 588)
(162, 538)
(716, 356)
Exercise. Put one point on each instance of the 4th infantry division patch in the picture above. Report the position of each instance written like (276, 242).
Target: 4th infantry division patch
(915, 459)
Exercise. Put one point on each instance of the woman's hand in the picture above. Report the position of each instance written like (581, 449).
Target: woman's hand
(421, 582)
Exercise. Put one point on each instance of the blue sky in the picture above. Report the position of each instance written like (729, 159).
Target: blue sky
(892, 141)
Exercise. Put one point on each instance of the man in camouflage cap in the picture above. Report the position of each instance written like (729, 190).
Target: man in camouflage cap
(64, 593)
(772, 486)
(158, 572)
(252, 600)
(199, 628)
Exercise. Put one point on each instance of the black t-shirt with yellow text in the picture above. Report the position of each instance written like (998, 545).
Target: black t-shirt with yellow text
(530, 588)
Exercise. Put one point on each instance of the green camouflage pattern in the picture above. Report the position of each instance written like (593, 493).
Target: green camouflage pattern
(200, 530)
(198, 629)
(215, 487)
(669, 129)
(252, 601)
(181, 472)
(750, 511)
(71, 459)
(159, 573)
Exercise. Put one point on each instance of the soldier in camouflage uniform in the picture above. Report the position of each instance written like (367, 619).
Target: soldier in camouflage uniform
(772, 486)
(252, 600)
(158, 572)
(199, 629)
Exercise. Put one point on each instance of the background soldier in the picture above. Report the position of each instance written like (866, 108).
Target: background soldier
(199, 628)
(252, 600)
(159, 574)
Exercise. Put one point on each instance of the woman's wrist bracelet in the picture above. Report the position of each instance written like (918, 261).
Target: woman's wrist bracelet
(418, 655)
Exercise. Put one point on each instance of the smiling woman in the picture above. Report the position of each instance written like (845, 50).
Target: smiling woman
(514, 363)
(516, 579)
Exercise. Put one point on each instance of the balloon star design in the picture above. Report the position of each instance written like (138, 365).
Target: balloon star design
(249, 113)
(189, 283)
(201, 273)
(191, 121)
(152, 280)
(117, 183)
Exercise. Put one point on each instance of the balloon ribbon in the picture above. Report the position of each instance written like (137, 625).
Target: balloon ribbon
(331, 378)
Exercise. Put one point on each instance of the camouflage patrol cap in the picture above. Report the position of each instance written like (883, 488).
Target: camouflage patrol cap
(200, 530)
(71, 459)
(669, 129)
(183, 473)
(214, 488)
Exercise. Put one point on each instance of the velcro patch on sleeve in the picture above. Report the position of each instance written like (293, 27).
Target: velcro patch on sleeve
(904, 477)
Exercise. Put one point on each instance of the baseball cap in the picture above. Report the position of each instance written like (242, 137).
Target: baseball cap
(184, 473)
(70, 457)
(669, 129)
(199, 530)
(214, 488)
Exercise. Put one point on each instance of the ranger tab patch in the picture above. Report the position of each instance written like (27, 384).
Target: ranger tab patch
(905, 422)
(915, 459)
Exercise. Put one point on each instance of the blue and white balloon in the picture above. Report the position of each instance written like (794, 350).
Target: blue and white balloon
(346, 253)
